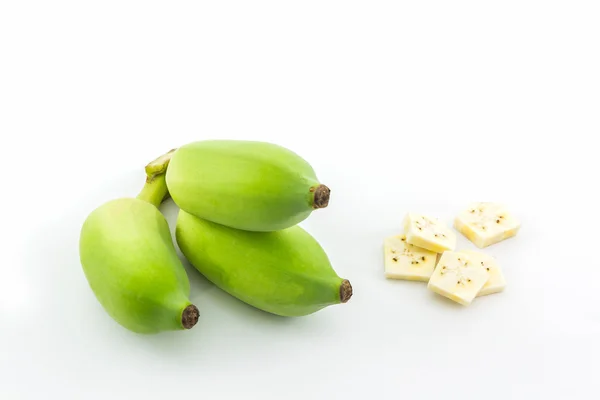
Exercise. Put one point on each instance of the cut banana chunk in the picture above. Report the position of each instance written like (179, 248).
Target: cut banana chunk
(496, 282)
(458, 277)
(486, 223)
(407, 262)
(428, 233)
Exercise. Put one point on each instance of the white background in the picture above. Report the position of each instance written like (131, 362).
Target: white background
(418, 106)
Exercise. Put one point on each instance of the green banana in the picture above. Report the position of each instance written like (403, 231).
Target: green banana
(129, 259)
(285, 272)
(248, 185)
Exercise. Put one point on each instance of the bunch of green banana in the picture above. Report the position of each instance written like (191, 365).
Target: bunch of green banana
(240, 203)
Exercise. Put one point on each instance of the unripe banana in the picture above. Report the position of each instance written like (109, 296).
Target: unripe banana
(129, 259)
(249, 185)
(285, 272)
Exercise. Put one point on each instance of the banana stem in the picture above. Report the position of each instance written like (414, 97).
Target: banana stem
(155, 189)
(159, 165)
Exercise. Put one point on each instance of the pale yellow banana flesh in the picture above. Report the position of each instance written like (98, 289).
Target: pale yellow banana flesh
(496, 282)
(458, 277)
(426, 252)
(486, 223)
(407, 262)
(428, 233)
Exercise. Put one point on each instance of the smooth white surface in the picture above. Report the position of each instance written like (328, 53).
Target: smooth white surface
(400, 106)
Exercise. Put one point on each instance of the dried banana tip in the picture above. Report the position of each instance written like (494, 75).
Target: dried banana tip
(321, 199)
(345, 291)
(190, 316)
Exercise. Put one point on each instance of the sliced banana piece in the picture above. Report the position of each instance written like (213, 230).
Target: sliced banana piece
(486, 223)
(458, 277)
(428, 233)
(407, 262)
(496, 282)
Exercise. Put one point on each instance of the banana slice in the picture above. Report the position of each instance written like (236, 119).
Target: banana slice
(428, 233)
(486, 223)
(458, 277)
(407, 262)
(496, 282)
